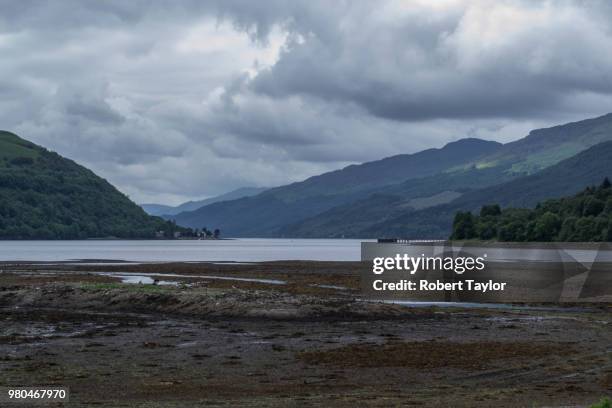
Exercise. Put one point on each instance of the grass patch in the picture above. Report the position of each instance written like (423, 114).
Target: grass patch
(11, 146)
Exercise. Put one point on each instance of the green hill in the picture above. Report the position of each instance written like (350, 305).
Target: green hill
(539, 150)
(563, 179)
(545, 147)
(45, 196)
(349, 220)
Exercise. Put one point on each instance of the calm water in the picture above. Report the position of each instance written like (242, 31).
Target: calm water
(239, 250)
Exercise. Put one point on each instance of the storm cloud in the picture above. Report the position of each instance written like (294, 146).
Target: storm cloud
(175, 100)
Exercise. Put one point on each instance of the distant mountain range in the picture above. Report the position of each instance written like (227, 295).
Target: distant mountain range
(267, 213)
(46, 196)
(415, 195)
(160, 209)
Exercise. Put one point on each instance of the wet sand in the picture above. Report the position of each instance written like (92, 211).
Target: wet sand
(216, 342)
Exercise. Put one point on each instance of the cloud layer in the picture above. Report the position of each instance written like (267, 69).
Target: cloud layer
(179, 100)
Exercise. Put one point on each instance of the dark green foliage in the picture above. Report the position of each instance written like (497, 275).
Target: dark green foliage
(463, 226)
(490, 210)
(584, 217)
(45, 196)
(546, 227)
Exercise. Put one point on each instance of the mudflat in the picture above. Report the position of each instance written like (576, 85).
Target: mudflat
(284, 334)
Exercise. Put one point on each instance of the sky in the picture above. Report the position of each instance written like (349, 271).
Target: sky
(179, 100)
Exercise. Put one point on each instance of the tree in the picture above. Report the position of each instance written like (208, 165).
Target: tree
(546, 227)
(585, 230)
(567, 229)
(509, 232)
(586, 216)
(492, 210)
(592, 206)
(607, 208)
(217, 233)
(463, 226)
(606, 183)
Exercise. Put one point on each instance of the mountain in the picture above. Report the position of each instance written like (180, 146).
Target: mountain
(540, 149)
(565, 178)
(266, 213)
(160, 209)
(355, 200)
(390, 170)
(545, 147)
(46, 196)
(349, 220)
(157, 209)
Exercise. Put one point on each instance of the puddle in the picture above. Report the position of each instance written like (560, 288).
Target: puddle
(126, 275)
(187, 344)
(417, 304)
(76, 262)
(535, 319)
(102, 263)
(329, 287)
(144, 280)
(233, 263)
(470, 305)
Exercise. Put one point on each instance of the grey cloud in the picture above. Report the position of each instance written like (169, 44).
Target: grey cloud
(419, 69)
(148, 94)
(92, 109)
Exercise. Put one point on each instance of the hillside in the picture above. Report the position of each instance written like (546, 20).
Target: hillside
(538, 150)
(45, 196)
(390, 170)
(350, 219)
(545, 147)
(160, 209)
(584, 217)
(371, 197)
(563, 179)
(265, 214)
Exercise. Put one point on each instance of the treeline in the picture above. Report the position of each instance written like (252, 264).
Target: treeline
(585, 217)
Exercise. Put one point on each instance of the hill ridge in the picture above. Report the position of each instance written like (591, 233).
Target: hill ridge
(46, 196)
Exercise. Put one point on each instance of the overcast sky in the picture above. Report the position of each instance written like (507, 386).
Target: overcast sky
(174, 100)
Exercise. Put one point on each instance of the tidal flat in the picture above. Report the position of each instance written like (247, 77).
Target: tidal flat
(284, 334)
